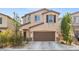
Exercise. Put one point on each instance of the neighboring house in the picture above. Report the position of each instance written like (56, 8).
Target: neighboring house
(40, 25)
(6, 22)
(75, 23)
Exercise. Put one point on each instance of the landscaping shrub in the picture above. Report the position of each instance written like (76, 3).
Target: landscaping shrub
(5, 37)
(17, 40)
(66, 28)
(9, 39)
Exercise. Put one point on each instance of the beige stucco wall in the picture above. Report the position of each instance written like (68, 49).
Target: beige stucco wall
(32, 17)
(42, 19)
(24, 27)
(73, 15)
(75, 25)
(25, 19)
(43, 27)
(11, 24)
(38, 13)
(4, 21)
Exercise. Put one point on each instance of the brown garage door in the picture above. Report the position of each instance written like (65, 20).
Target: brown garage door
(44, 36)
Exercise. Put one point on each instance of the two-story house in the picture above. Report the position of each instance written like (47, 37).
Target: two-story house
(75, 23)
(6, 22)
(40, 25)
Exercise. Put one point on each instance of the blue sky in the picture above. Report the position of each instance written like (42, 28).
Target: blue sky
(23, 11)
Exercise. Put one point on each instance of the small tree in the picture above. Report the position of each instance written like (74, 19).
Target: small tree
(18, 37)
(66, 28)
(17, 22)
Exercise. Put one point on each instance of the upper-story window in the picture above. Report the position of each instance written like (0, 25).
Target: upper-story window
(0, 20)
(76, 19)
(51, 18)
(37, 18)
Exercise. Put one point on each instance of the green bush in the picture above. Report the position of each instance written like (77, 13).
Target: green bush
(16, 40)
(66, 28)
(9, 38)
(5, 37)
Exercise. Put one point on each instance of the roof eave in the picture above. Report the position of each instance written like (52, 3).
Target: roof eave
(34, 12)
(74, 13)
(52, 11)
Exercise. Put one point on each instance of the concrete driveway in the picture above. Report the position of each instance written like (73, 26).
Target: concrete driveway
(44, 45)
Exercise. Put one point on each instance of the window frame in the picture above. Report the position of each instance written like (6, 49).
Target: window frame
(37, 18)
(52, 17)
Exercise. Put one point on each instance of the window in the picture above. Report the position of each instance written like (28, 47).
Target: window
(37, 18)
(0, 20)
(51, 18)
(76, 19)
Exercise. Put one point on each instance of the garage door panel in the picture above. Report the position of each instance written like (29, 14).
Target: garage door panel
(44, 36)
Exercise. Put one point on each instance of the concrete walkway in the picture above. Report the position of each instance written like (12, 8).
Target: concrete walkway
(44, 45)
